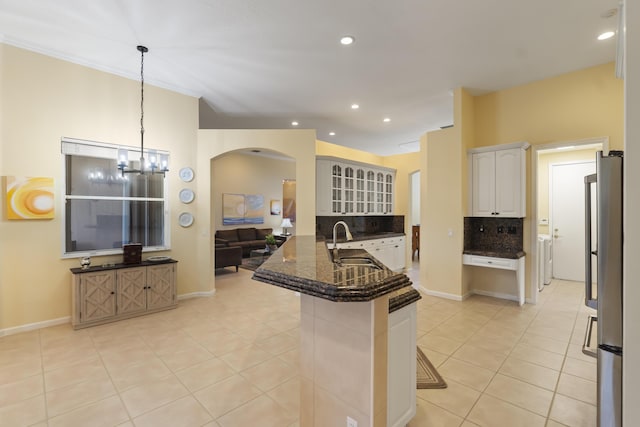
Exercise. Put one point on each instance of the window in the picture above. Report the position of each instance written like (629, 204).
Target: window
(103, 209)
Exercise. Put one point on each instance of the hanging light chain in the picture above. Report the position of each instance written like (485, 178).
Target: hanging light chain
(142, 50)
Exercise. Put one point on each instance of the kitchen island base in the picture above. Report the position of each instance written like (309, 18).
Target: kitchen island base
(343, 354)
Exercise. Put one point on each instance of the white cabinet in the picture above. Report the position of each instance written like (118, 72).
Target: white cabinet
(350, 188)
(498, 181)
(106, 295)
(401, 366)
(390, 251)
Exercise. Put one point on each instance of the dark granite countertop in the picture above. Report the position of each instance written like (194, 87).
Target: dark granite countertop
(495, 254)
(402, 298)
(113, 266)
(304, 264)
(366, 236)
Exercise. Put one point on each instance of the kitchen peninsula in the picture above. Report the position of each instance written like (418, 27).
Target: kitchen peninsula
(345, 370)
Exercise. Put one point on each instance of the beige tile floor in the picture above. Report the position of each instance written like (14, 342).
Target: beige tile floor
(231, 360)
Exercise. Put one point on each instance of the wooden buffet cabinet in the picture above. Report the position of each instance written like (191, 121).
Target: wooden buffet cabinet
(106, 294)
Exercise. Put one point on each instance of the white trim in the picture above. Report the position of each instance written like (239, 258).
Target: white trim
(444, 295)
(33, 326)
(533, 176)
(94, 149)
(500, 295)
(196, 295)
(522, 144)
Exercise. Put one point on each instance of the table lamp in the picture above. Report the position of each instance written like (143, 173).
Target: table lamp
(286, 223)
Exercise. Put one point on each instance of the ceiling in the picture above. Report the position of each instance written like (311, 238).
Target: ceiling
(263, 64)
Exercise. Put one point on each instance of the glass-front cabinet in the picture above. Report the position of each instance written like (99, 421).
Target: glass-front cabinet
(344, 187)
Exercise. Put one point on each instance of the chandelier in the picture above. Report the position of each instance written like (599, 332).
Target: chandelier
(157, 163)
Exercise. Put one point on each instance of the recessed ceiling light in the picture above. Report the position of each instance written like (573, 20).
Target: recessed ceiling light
(606, 35)
(386, 120)
(332, 134)
(354, 106)
(294, 123)
(347, 40)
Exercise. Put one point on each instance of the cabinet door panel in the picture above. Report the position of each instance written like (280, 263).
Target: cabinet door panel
(160, 286)
(484, 189)
(131, 290)
(97, 296)
(508, 183)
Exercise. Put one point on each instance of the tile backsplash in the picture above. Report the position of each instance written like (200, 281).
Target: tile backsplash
(493, 234)
(361, 225)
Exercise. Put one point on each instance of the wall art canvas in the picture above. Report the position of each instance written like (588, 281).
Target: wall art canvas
(275, 207)
(30, 197)
(254, 212)
(242, 209)
(232, 209)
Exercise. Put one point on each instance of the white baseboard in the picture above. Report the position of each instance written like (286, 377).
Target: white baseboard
(34, 326)
(495, 295)
(63, 320)
(196, 295)
(441, 294)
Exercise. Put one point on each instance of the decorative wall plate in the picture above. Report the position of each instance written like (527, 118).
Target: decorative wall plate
(186, 174)
(187, 195)
(185, 219)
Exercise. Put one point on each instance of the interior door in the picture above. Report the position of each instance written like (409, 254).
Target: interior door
(567, 218)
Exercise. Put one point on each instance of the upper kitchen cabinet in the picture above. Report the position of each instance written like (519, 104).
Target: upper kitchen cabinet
(498, 180)
(345, 187)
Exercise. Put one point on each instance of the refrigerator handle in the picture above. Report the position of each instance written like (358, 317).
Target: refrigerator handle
(586, 347)
(588, 296)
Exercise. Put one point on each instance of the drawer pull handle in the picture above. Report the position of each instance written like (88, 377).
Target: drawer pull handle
(490, 262)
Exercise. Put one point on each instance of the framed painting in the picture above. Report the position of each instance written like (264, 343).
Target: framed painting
(275, 207)
(233, 209)
(30, 197)
(254, 209)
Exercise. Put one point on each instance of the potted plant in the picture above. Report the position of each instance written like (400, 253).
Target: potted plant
(270, 240)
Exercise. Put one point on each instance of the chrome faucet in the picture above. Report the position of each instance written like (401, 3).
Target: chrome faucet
(346, 230)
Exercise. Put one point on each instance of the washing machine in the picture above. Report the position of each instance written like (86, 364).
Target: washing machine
(540, 283)
(545, 241)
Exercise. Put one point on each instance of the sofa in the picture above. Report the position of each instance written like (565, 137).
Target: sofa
(247, 239)
(227, 256)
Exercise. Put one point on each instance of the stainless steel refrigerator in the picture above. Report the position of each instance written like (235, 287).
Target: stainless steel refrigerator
(603, 258)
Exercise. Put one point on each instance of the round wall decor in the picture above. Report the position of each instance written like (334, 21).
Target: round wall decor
(185, 219)
(187, 195)
(186, 174)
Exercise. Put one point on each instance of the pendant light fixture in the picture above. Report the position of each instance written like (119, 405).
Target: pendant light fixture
(157, 163)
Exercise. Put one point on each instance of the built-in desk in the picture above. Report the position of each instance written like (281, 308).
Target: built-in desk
(514, 264)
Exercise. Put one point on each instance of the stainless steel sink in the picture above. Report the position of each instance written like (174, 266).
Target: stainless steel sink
(353, 260)
(356, 261)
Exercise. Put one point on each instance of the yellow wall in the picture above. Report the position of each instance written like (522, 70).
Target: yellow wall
(42, 100)
(544, 160)
(249, 174)
(405, 165)
(441, 213)
(328, 149)
(578, 105)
